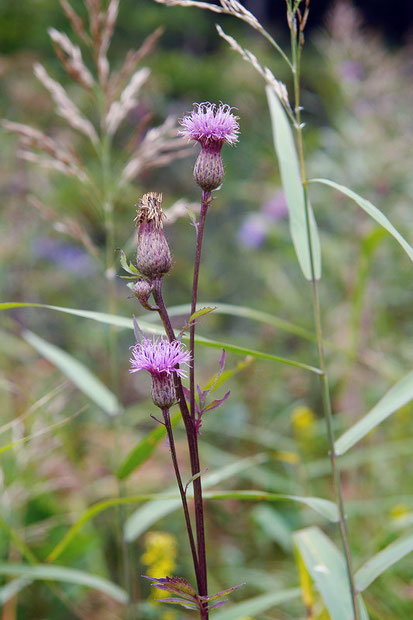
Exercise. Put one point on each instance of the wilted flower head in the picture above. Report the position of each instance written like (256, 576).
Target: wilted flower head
(211, 126)
(160, 357)
(153, 257)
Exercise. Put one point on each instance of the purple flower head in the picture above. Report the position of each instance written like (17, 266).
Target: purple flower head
(209, 124)
(159, 356)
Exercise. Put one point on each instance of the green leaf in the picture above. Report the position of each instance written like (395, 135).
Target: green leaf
(120, 321)
(374, 567)
(371, 210)
(244, 313)
(129, 267)
(81, 376)
(293, 189)
(193, 318)
(324, 507)
(327, 568)
(143, 450)
(12, 588)
(69, 575)
(257, 605)
(144, 517)
(398, 396)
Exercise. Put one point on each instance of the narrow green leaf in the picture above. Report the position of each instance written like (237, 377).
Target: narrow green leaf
(327, 568)
(144, 449)
(245, 313)
(371, 210)
(129, 267)
(120, 321)
(398, 396)
(199, 313)
(257, 605)
(12, 588)
(374, 567)
(145, 516)
(69, 575)
(324, 507)
(81, 376)
(293, 189)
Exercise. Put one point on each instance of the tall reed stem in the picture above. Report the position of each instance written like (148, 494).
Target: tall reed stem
(296, 48)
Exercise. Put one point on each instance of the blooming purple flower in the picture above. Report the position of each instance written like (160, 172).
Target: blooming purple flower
(253, 230)
(209, 124)
(159, 356)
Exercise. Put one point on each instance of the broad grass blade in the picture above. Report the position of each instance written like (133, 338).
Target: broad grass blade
(398, 396)
(327, 568)
(257, 605)
(374, 567)
(69, 575)
(371, 210)
(81, 376)
(9, 590)
(121, 321)
(293, 189)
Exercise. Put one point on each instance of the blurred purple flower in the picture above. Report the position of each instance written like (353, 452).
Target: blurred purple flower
(253, 230)
(351, 71)
(275, 208)
(67, 257)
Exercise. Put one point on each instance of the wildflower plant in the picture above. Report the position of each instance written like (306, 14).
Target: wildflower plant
(165, 357)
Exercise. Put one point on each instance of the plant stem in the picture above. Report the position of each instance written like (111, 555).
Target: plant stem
(193, 453)
(296, 46)
(205, 200)
(182, 491)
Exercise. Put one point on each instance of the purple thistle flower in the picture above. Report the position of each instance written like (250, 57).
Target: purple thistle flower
(208, 124)
(211, 126)
(160, 358)
(153, 257)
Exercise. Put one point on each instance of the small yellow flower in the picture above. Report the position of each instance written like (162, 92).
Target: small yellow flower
(303, 419)
(399, 512)
(160, 559)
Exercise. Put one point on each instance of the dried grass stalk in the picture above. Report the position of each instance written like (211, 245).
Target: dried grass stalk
(230, 7)
(128, 100)
(64, 105)
(71, 58)
(76, 21)
(106, 36)
(160, 146)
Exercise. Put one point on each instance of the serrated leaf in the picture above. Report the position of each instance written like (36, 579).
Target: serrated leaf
(398, 396)
(179, 601)
(47, 572)
(79, 374)
(177, 585)
(371, 210)
(215, 597)
(293, 189)
(374, 567)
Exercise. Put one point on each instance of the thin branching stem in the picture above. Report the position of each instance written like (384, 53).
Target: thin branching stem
(192, 440)
(182, 492)
(296, 47)
(205, 200)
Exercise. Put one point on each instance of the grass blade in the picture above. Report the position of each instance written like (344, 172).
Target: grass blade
(374, 567)
(328, 570)
(371, 210)
(69, 575)
(81, 376)
(120, 321)
(144, 449)
(291, 180)
(12, 588)
(398, 396)
(257, 605)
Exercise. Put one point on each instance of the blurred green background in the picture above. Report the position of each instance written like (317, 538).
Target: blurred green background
(357, 96)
